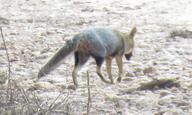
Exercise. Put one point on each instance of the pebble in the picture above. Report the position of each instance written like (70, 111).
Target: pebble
(166, 99)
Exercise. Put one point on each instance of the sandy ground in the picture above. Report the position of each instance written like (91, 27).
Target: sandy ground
(39, 27)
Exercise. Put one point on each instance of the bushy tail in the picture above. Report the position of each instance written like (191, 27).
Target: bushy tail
(59, 56)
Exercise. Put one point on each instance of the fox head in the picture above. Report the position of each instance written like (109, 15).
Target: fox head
(129, 42)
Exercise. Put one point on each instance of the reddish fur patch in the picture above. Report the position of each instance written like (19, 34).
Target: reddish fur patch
(83, 45)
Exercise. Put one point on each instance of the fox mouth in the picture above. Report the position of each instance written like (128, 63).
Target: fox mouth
(128, 56)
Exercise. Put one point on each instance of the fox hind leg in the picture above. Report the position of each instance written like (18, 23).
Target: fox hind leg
(120, 66)
(80, 59)
(99, 62)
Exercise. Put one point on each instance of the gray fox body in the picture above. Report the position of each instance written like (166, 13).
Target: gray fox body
(99, 43)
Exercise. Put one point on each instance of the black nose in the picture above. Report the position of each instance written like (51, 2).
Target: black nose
(128, 56)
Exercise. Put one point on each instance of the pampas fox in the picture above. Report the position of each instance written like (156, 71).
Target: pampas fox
(100, 43)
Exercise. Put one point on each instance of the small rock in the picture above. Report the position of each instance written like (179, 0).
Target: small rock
(43, 34)
(73, 87)
(35, 53)
(14, 33)
(120, 104)
(174, 112)
(43, 86)
(166, 99)
(164, 93)
(181, 103)
(87, 9)
(149, 70)
(4, 21)
(41, 57)
(50, 32)
(129, 74)
(61, 86)
(119, 113)
(138, 72)
(30, 20)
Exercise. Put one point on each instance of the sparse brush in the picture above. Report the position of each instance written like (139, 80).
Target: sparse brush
(181, 33)
(159, 83)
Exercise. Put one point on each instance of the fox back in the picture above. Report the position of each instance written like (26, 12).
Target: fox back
(103, 42)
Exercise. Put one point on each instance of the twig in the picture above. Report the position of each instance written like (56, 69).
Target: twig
(60, 103)
(89, 94)
(9, 88)
(9, 69)
(37, 103)
(53, 103)
(7, 54)
(22, 91)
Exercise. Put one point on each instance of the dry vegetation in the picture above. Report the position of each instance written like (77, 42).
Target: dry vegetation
(181, 33)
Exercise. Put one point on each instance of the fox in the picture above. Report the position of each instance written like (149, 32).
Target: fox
(102, 44)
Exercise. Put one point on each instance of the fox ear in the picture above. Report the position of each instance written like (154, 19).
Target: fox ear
(132, 32)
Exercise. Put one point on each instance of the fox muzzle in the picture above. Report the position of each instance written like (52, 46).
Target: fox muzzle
(128, 56)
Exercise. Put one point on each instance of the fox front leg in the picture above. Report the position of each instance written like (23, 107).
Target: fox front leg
(108, 65)
(99, 62)
(101, 76)
(120, 66)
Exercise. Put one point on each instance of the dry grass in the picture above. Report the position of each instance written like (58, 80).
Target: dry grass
(3, 77)
(158, 84)
(181, 33)
(15, 100)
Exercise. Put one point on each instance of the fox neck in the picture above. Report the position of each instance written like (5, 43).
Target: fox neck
(128, 43)
(128, 47)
